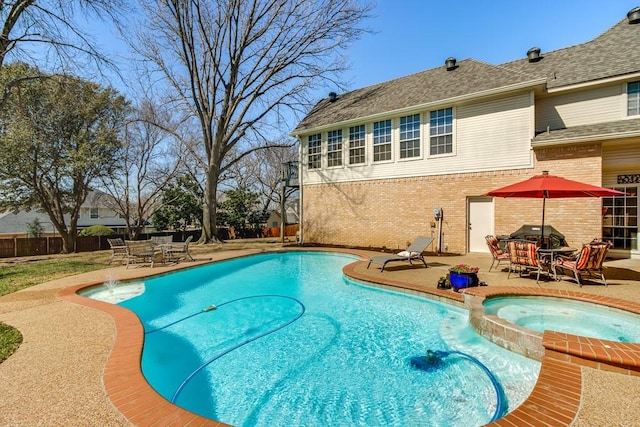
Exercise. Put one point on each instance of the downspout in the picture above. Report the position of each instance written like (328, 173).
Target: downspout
(301, 189)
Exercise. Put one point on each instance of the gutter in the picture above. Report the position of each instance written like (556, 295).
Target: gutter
(429, 105)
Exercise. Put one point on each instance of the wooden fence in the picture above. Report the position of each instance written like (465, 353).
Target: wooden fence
(289, 230)
(23, 246)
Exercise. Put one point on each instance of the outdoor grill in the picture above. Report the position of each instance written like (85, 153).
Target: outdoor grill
(552, 237)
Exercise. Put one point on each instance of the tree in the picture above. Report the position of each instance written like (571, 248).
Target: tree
(58, 136)
(240, 208)
(47, 29)
(243, 68)
(181, 205)
(34, 228)
(147, 164)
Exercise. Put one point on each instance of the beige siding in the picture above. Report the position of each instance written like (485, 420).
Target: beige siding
(487, 136)
(599, 105)
(494, 135)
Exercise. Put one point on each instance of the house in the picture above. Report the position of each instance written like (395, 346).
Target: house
(94, 211)
(275, 219)
(415, 155)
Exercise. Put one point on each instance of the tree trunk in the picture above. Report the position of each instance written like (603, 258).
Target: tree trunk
(210, 208)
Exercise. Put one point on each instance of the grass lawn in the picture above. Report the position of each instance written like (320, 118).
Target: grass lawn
(20, 273)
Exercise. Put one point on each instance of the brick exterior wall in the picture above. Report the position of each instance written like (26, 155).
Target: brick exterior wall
(390, 213)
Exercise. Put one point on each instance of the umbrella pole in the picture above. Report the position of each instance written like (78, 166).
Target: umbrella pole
(544, 201)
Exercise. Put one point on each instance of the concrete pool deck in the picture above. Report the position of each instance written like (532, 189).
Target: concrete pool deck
(79, 361)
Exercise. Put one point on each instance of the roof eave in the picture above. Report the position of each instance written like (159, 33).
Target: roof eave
(457, 99)
(581, 139)
(582, 85)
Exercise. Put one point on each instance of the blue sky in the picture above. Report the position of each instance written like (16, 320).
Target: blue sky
(415, 35)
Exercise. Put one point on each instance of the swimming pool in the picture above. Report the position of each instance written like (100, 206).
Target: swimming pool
(291, 342)
(566, 315)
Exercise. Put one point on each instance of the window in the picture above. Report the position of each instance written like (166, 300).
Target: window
(94, 213)
(410, 136)
(334, 148)
(633, 98)
(314, 152)
(441, 131)
(620, 218)
(356, 144)
(382, 141)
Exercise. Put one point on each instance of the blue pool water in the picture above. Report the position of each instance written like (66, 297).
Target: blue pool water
(292, 342)
(565, 315)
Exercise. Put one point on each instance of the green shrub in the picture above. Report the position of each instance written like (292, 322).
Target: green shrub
(96, 230)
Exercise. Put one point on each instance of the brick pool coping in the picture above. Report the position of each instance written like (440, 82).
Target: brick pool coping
(554, 400)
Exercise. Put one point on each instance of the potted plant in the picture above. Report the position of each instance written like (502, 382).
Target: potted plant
(463, 276)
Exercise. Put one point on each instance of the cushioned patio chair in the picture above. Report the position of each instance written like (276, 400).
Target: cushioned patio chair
(178, 252)
(589, 261)
(523, 258)
(118, 250)
(412, 253)
(496, 251)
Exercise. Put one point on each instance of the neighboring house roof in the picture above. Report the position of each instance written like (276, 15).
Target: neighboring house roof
(97, 198)
(430, 86)
(614, 53)
(598, 131)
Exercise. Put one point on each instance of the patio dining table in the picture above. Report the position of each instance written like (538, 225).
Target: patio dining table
(550, 254)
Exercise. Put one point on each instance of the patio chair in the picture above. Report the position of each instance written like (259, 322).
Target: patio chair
(496, 251)
(118, 250)
(178, 252)
(523, 257)
(589, 261)
(140, 252)
(412, 253)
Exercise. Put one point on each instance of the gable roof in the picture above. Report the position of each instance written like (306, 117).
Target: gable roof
(612, 54)
(430, 86)
(616, 52)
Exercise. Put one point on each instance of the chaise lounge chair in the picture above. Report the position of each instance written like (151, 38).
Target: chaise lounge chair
(412, 253)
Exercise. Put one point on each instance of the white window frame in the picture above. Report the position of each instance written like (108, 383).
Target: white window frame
(382, 143)
(410, 135)
(357, 144)
(94, 213)
(441, 129)
(334, 148)
(314, 155)
(633, 98)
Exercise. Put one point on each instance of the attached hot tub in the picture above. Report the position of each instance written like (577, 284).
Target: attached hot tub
(565, 315)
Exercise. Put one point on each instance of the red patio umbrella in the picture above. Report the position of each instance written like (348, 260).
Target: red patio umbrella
(547, 186)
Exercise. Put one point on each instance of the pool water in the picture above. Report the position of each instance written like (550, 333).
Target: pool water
(285, 339)
(569, 316)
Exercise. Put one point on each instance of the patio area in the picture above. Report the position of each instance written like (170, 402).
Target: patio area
(78, 363)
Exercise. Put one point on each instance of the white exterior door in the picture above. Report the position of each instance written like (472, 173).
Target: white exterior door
(480, 223)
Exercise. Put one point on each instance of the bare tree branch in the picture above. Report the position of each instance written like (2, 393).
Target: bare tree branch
(241, 68)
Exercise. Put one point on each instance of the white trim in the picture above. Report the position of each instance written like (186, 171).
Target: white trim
(623, 78)
(434, 105)
(591, 138)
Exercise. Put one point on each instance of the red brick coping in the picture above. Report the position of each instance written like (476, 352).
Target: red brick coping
(555, 398)
(554, 401)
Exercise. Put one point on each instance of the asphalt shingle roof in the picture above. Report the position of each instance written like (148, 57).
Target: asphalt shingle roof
(621, 128)
(436, 84)
(616, 52)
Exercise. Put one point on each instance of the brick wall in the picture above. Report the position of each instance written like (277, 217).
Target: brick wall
(392, 212)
